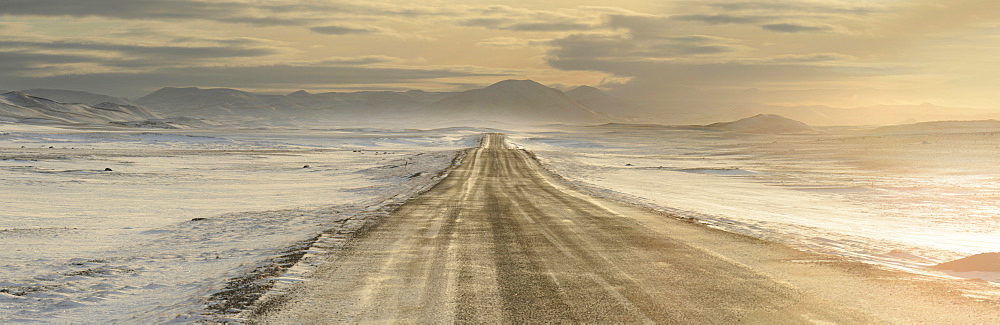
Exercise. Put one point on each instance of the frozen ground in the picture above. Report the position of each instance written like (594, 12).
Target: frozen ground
(130, 244)
(905, 201)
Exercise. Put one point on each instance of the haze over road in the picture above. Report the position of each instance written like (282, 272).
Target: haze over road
(502, 240)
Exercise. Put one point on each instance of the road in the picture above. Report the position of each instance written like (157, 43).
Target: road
(502, 240)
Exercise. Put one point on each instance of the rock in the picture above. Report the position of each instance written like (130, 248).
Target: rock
(306, 166)
(107, 169)
(198, 219)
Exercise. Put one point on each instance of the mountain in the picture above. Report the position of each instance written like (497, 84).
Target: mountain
(763, 123)
(73, 96)
(522, 101)
(941, 127)
(21, 107)
(219, 102)
(370, 102)
(600, 102)
(199, 102)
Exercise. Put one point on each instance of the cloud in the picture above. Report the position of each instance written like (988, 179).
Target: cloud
(624, 48)
(795, 28)
(723, 19)
(651, 58)
(774, 15)
(345, 30)
(133, 51)
(15, 61)
(508, 18)
(69, 57)
(285, 13)
(125, 9)
(795, 7)
(926, 16)
(503, 42)
(812, 58)
(359, 60)
(547, 27)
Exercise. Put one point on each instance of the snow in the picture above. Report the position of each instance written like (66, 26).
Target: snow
(904, 201)
(73, 96)
(15, 106)
(182, 211)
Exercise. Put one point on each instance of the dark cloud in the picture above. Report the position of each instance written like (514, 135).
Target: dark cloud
(18, 62)
(125, 9)
(515, 24)
(484, 22)
(678, 60)
(266, 21)
(618, 47)
(795, 28)
(361, 60)
(344, 30)
(649, 60)
(723, 19)
(812, 58)
(134, 51)
(236, 12)
(793, 7)
(547, 27)
(524, 20)
(287, 13)
(590, 46)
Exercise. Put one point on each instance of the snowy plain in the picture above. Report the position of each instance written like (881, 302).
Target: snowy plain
(182, 211)
(905, 201)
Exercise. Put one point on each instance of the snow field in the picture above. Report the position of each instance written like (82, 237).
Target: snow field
(182, 212)
(903, 201)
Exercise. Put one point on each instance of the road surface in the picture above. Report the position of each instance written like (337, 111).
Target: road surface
(502, 240)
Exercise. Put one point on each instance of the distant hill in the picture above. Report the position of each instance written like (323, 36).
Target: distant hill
(602, 103)
(519, 101)
(76, 97)
(870, 115)
(21, 107)
(941, 127)
(200, 102)
(220, 102)
(765, 124)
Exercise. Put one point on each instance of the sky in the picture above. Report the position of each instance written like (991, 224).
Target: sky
(782, 52)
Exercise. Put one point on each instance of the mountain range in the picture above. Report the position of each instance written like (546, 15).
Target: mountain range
(21, 107)
(508, 101)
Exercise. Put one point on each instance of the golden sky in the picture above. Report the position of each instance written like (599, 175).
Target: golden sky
(831, 52)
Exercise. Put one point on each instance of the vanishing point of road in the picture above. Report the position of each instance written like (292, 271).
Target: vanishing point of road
(501, 240)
